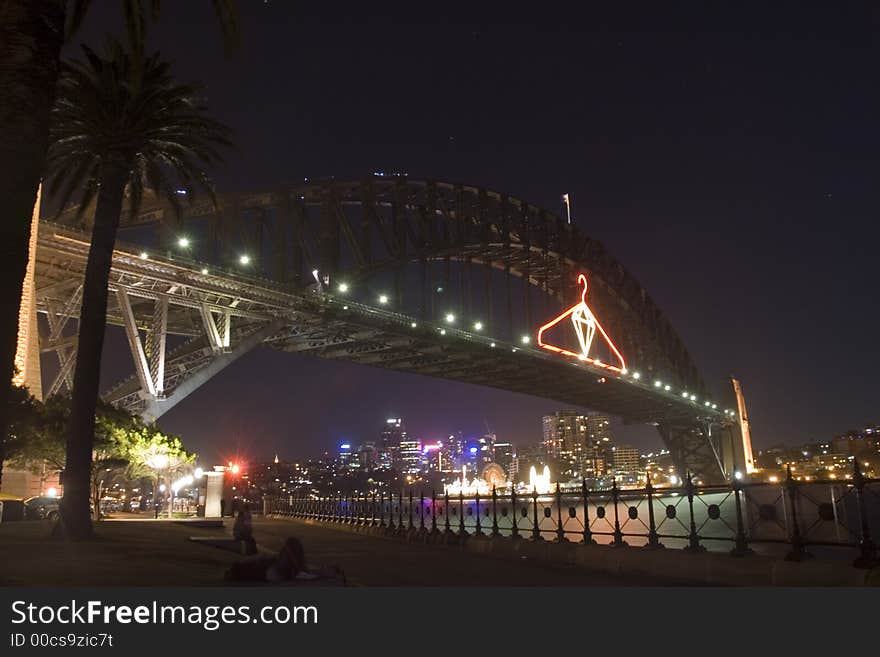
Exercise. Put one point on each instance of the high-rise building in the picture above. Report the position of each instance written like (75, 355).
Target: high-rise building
(455, 449)
(580, 444)
(368, 456)
(347, 459)
(410, 452)
(625, 459)
(486, 453)
(392, 435)
(505, 456)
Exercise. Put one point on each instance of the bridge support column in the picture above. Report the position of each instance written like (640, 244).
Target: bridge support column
(693, 450)
(156, 407)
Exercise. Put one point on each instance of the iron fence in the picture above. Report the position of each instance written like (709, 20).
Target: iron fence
(792, 519)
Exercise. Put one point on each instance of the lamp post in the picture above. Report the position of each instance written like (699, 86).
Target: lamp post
(157, 461)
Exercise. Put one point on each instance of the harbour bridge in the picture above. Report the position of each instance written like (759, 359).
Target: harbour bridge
(445, 280)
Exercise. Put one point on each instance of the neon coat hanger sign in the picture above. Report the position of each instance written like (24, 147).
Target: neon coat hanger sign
(586, 327)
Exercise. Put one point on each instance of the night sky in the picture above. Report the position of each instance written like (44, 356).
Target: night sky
(727, 157)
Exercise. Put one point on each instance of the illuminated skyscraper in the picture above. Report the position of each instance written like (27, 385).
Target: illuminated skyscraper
(580, 444)
(393, 434)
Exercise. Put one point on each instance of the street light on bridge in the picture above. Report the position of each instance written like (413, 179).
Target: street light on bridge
(383, 299)
(183, 242)
(343, 287)
(244, 259)
(450, 318)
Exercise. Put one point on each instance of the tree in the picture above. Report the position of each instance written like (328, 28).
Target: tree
(23, 414)
(118, 124)
(31, 35)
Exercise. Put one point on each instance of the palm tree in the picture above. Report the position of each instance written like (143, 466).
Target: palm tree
(117, 124)
(32, 33)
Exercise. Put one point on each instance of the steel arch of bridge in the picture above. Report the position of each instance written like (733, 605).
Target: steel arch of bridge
(382, 223)
(356, 229)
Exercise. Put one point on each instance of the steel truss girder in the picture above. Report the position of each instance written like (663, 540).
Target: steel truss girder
(693, 450)
(420, 220)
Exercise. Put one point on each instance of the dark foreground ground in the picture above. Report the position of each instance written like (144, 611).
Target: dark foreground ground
(157, 553)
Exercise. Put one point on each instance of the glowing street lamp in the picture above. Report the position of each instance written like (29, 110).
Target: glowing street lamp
(183, 242)
(383, 299)
(478, 326)
(144, 255)
(525, 339)
(450, 318)
(343, 287)
(244, 259)
(204, 271)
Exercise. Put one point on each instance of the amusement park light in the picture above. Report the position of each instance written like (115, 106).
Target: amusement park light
(525, 339)
(205, 271)
(144, 255)
(450, 318)
(183, 242)
(343, 287)
(383, 299)
(244, 259)
(478, 326)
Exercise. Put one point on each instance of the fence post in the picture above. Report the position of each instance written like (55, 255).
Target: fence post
(798, 551)
(514, 529)
(422, 511)
(560, 530)
(536, 532)
(410, 508)
(615, 496)
(461, 529)
(433, 511)
(585, 492)
(741, 547)
(495, 531)
(653, 539)
(867, 549)
(446, 504)
(693, 537)
(381, 508)
(479, 530)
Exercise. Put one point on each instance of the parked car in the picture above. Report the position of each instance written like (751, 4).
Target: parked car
(42, 507)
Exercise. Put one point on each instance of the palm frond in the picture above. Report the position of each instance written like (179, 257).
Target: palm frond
(105, 113)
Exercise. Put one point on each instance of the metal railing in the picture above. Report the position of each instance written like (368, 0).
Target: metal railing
(792, 519)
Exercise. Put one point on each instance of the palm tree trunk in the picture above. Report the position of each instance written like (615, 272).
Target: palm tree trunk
(31, 34)
(75, 520)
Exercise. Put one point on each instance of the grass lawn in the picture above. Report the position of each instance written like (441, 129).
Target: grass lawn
(152, 553)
